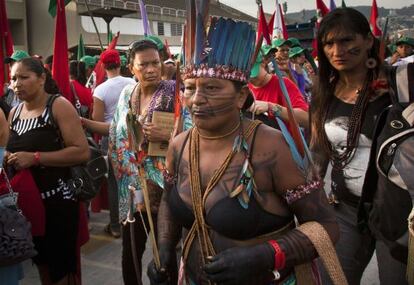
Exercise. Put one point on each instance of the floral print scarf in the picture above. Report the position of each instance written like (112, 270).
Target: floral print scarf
(122, 155)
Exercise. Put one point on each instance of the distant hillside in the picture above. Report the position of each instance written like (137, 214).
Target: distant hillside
(306, 15)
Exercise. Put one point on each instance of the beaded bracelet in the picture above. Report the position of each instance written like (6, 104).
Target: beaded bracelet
(169, 178)
(293, 195)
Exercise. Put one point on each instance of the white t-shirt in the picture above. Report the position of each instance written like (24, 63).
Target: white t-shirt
(109, 91)
(405, 60)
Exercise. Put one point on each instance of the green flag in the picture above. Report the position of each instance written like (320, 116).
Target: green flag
(343, 5)
(110, 36)
(81, 48)
(53, 5)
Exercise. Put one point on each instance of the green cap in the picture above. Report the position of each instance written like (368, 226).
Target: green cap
(123, 60)
(294, 42)
(89, 61)
(156, 40)
(405, 40)
(266, 49)
(16, 56)
(295, 51)
(280, 42)
(254, 72)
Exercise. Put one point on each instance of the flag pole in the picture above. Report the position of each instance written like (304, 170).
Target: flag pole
(94, 24)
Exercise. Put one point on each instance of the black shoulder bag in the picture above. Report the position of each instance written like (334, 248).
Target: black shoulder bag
(86, 178)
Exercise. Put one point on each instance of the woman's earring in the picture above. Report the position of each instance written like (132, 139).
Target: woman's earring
(371, 63)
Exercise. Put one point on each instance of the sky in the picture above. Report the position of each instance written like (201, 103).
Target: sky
(250, 6)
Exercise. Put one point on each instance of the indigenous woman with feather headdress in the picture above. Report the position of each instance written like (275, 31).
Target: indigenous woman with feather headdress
(232, 187)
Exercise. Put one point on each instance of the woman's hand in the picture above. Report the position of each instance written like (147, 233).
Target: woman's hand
(296, 67)
(259, 107)
(394, 58)
(236, 265)
(154, 133)
(161, 276)
(21, 159)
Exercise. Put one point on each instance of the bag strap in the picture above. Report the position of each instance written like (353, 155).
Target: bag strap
(323, 245)
(9, 187)
(75, 95)
(49, 105)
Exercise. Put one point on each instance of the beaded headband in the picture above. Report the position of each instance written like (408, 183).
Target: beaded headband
(225, 53)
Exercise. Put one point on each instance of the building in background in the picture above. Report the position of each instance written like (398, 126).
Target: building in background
(16, 13)
(33, 28)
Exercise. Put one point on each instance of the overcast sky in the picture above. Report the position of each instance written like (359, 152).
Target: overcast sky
(250, 7)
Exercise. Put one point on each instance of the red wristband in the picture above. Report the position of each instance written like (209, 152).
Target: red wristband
(36, 157)
(280, 257)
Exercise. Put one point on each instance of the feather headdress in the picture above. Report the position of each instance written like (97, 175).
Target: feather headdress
(225, 51)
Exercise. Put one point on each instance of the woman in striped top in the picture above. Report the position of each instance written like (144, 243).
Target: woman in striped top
(48, 148)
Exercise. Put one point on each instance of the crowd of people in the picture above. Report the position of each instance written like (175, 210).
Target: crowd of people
(238, 197)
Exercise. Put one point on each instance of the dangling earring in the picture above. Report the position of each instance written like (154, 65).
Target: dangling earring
(371, 63)
(240, 142)
(246, 185)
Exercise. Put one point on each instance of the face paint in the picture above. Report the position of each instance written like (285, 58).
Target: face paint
(208, 95)
(211, 111)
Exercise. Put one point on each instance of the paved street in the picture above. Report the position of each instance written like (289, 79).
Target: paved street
(101, 259)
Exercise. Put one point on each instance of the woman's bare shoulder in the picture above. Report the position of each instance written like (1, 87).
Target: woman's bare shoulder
(269, 137)
(178, 140)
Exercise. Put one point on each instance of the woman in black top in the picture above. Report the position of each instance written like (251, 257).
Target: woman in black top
(352, 92)
(36, 143)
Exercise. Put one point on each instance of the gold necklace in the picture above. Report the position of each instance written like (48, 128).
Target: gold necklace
(218, 137)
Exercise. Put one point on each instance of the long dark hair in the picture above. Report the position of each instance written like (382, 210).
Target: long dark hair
(340, 20)
(36, 66)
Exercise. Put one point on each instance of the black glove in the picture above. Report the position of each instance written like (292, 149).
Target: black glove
(161, 276)
(157, 277)
(238, 264)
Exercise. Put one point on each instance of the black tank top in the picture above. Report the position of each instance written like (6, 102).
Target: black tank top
(38, 134)
(227, 217)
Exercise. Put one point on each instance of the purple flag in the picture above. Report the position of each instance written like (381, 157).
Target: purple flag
(144, 17)
(332, 5)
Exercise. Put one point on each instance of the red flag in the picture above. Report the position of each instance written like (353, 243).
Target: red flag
(285, 33)
(99, 68)
(60, 66)
(6, 44)
(270, 24)
(321, 11)
(262, 28)
(376, 31)
(167, 48)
